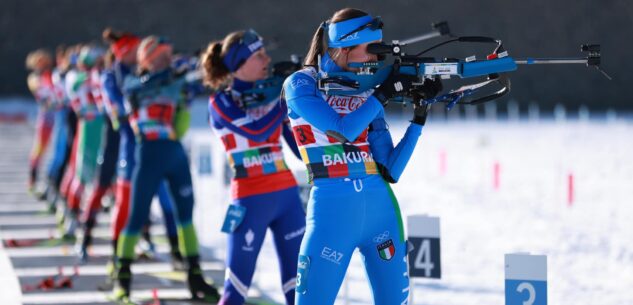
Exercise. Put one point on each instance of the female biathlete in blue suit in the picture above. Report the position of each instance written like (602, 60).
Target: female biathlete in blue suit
(156, 99)
(349, 154)
(264, 191)
(124, 47)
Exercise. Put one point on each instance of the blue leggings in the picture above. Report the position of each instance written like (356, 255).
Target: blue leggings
(344, 214)
(60, 134)
(159, 160)
(126, 166)
(283, 213)
(108, 158)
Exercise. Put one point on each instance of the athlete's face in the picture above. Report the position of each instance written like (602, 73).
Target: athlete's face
(255, 68)
(356, 53)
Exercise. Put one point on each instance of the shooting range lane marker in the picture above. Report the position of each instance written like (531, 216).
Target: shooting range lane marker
(97, 297)
(155, 296)
(64, 250)
(97, 270)
(98, 232)
(442, 165)
(570, 189)
(496, 175)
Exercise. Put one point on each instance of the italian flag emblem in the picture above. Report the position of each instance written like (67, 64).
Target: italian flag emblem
(386, 250)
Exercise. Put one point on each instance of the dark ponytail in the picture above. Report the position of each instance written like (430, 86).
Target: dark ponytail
(215, 72)
(111, 36)
(318, 46)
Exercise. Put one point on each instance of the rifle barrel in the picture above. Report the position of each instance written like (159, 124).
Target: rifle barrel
(544, 61)
(422, 37)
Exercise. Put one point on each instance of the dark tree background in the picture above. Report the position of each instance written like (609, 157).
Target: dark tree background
(528, 28)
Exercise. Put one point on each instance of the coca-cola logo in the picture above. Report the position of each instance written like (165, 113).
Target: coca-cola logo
(345, 103)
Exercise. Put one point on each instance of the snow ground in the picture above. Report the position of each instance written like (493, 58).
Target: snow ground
(588, 244)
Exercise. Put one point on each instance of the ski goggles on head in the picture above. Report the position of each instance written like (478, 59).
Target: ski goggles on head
(239, 52)
(124, 45)
(354, 31)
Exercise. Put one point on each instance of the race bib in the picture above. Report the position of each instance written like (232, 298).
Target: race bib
(234, 217)
(303, 267)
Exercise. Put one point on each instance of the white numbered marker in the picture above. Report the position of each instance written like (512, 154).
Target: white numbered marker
(424, 236)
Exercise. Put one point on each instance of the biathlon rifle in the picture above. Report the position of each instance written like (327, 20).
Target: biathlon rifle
(267, 90)
(491, 72)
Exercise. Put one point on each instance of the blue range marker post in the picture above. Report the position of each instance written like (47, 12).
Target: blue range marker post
(204, 160)
(525, 279)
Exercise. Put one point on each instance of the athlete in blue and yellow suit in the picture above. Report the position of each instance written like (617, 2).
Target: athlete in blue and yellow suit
(124, 47)
(156, 100)
(350, 157)
(263, 190)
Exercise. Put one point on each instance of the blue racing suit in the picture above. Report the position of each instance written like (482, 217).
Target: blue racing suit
(61, 133)
(262, 186)
(350, 157)
(153, 101)
(112, 84)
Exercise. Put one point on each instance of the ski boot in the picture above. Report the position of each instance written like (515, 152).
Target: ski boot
(43, 196)
(108, 284)
(70, 226)
(52, 203)
(146, 245)
(82, 250)
(60, 215)
(199, 289)
(31, 184)
(177, 261)
(82, 254)
(122, 281)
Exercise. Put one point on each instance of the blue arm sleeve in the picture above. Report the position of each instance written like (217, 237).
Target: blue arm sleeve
(213, 122)
(290, 140)
(391, 161)
(224, 112)
(113, 92)
(305, 100)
